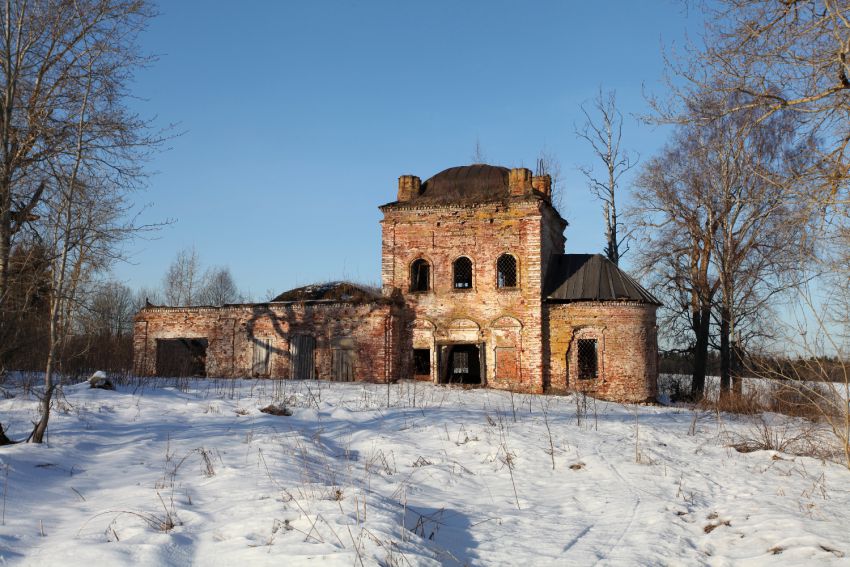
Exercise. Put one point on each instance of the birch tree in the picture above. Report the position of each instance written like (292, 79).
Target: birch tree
(183, 280)
(765, 57)
(45, 48)
(603, 131)
(70, 150)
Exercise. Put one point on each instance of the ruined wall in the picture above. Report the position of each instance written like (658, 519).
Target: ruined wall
(507, 320)
(372, 331)
(627, 349)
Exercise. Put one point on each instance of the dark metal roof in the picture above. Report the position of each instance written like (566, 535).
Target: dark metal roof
(476, 182)
(332, 291)
(592, 277)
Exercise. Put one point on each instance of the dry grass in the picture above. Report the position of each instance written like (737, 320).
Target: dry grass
(734, 402)
(811, 401)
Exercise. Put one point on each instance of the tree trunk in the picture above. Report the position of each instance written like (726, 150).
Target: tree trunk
(5, 241)
(735, 365)
(3, 439)
(41, 427)
(702, 321)
(725, 353)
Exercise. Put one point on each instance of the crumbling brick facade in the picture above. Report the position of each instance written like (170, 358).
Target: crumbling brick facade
(476, 288)
(368, 334)
(628, 350)
(504, 323)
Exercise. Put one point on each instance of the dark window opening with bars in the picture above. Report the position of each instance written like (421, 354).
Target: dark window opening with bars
(460, 361)
(506, 271)
(587, 359)
(463, 273)
(422, 361)
(419, 275)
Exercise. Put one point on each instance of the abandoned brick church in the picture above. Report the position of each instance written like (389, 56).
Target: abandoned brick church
(476, 289)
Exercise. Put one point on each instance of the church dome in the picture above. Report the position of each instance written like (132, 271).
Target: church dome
(476, 182)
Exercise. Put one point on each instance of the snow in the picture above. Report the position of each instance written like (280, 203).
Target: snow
(435, 476)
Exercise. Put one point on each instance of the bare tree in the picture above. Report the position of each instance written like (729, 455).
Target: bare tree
(85, 222)
(763, 59)
(679, 220)
(767, 60)
(218, 287)
(70, 145)
(108, 311)
(22, 317)
(767, 57)
(722, 197)
(762, 235)
(183, 279)
(145, 296)
(478, 153)
(45, 49)
(604, 133)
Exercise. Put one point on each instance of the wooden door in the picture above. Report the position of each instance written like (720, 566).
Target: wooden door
(342, 365)
(261, 364)
(302, 349)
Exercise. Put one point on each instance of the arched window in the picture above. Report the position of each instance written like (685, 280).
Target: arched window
(420, 275)
(506, 271)
(463, 273)
(588, 359)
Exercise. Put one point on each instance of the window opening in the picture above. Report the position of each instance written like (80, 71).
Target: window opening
(422, 361)
(588, 359)
(419, 275)
(506, 271)
(461, 362)
(463, 273)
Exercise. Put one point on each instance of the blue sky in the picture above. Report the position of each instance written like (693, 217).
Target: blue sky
(298, 118)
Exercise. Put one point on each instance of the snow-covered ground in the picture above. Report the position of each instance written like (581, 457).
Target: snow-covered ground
(192, 473)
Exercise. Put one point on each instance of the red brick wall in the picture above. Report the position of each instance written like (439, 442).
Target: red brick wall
(528, 343)
(500, 318)
(374, 331)
(627, 349)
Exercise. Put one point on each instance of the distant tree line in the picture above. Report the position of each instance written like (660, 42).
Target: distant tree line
(100, 324)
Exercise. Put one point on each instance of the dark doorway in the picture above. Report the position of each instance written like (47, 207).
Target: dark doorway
(460, 364)
(302, 357)
(181, 357)
(422, 363)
